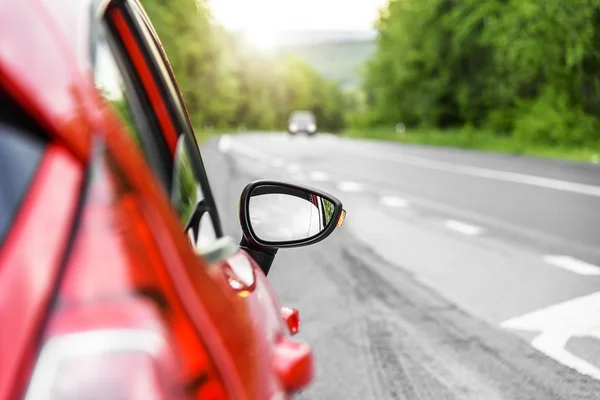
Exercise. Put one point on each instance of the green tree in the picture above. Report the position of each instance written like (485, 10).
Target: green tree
(227, 83)
(524, 68)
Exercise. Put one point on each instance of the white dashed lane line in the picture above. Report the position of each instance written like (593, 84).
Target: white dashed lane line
(319, 176)
(461, 227)
(395, 202)
(573, 265)
(293, 168)
(277, 162)
(549, 183)
(350, 187)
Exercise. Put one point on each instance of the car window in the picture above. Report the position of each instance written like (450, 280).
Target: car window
(302, 117)
(115, 81)
(188, 200)
(209, 228)
(110, 83)
(21, 150)
(205, 227)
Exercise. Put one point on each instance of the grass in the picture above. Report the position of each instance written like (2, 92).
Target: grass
(478, 140)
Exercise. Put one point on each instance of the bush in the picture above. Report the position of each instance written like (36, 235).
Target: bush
(551, 120)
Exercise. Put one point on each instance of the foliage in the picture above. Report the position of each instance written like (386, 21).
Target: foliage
(329, 210)
(228, 84)
(470, 138)
(526, 69)
(516, 72)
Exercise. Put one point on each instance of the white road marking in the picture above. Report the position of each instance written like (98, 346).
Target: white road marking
(299, 176)
(227, 144)
(350, 187)
(573, 265)
(392, 201)
(556, 184)
(224, 144)
(463, 228)
(293, 168)
(578, 317)
(318, 176)
(327, 137)
(485, 220)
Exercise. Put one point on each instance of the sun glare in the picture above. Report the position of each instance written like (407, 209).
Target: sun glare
(263, 38)
(263, 21)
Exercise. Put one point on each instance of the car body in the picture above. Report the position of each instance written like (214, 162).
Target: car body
(302, 122)
(100, 290)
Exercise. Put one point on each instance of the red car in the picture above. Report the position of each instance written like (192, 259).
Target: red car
(101, 294)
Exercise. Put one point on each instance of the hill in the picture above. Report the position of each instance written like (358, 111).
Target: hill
(338, 55)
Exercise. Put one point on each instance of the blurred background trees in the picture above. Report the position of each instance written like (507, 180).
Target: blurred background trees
(522, 70)
(229, 84)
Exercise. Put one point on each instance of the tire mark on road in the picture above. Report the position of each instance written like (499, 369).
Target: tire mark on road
(440, 338)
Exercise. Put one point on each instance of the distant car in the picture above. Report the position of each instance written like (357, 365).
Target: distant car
(302, 122)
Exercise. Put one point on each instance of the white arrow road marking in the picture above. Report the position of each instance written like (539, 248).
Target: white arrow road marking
(395, 202)
(579, 317)
(573, 265)
(350, 187)
(463, 228)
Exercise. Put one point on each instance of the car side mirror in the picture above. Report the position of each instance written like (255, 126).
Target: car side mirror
(276, 215)
(282, 215)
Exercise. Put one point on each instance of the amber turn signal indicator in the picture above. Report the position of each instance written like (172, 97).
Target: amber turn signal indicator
(341, 219)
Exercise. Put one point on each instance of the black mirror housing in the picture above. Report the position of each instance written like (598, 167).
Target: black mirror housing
(276, 215)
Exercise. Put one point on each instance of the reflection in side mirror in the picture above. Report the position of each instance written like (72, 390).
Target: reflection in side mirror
(278, 215)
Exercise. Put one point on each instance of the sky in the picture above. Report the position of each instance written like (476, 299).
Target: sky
(261, 20)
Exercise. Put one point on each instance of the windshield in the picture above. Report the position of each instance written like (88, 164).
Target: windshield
(302, 117)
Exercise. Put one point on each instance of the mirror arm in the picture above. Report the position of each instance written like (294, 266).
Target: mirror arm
(262, 255)
(199, 209)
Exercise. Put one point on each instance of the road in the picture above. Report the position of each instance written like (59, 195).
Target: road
(457, 274)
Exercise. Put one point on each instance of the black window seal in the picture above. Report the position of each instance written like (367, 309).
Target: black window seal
(153, 143)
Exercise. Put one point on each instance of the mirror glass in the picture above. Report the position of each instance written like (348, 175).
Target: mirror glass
(282, 214)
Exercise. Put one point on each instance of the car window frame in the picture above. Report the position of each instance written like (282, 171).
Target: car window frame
(164, 78)
(153, 143)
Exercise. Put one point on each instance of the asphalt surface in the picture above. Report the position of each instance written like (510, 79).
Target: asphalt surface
(457, 274)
